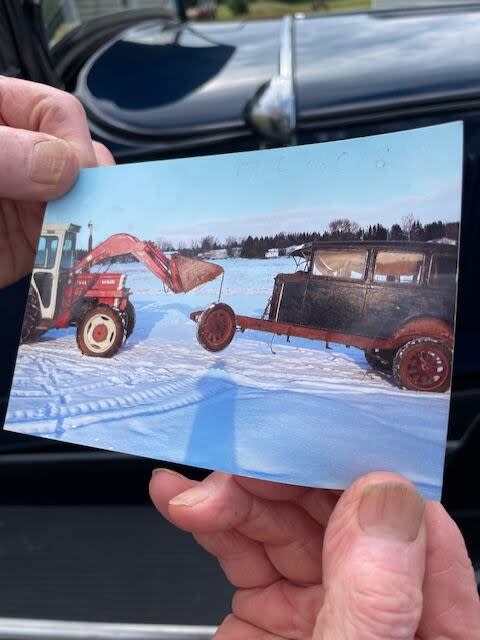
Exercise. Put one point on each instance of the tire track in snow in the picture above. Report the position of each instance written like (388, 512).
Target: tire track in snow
(57, 418)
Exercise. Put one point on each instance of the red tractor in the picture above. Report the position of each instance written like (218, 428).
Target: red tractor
(64, 293)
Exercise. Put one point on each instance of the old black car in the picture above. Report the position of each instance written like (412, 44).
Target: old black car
(394, 300)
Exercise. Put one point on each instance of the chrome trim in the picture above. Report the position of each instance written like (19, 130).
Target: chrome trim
(272, 111)
(24, 629)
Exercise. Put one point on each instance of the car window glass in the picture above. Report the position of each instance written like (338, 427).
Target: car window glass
(339, 264)
(46, 253)
(443, 271)
(398, 268)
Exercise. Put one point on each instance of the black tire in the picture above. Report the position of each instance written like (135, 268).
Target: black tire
(216, 327)
(380, 360)
(423, 364)
(100, 332)
(31, 318)
(129, 319)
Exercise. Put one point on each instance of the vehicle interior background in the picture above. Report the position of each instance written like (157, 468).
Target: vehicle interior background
(79, 538)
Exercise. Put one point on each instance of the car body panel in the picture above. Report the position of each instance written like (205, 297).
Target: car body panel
(160, 80)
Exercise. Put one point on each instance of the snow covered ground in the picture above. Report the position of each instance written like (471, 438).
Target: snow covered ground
(293, 412)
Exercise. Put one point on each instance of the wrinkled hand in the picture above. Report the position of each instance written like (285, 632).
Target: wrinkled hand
(377, 563)
(44, 140)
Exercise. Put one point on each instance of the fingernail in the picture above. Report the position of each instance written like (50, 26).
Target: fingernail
(192, 497)
(48, 162)
(391, 511)
(166, 471)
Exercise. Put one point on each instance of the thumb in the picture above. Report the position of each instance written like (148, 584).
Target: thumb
(35, 166)
(374, 562)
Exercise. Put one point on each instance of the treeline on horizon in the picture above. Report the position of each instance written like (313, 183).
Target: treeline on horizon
(338, 229)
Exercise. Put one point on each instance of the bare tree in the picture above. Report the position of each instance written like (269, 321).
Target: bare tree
(163, 244)
(207, 243)
(407, 225)
(343, 228)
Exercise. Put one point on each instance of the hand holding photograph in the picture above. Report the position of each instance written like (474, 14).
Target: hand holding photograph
(285, 314)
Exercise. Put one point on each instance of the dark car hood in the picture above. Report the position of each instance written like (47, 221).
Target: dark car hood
(161, 81)
(158, 81)
(385, 58)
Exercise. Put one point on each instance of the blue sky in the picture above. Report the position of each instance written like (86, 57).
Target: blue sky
(369, 180)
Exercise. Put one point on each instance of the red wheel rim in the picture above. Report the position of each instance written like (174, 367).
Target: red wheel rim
(100, 333)
(426, 367)
(217, 327)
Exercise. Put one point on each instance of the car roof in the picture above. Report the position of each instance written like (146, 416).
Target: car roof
(392, 245)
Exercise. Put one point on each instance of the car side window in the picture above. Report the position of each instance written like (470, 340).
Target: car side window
(398, 267)
(443, 271)
(349, 265)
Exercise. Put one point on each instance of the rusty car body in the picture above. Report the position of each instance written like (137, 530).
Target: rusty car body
(393, 300)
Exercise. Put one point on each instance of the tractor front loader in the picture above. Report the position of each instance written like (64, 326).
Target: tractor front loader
(64, 293)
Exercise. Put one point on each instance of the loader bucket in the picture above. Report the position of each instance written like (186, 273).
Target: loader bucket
(193, 272)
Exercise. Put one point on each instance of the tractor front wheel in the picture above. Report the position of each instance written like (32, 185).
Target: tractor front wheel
(216, 327)
(100, 332)
(423, 364)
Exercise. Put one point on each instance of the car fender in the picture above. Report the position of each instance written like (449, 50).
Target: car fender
(423, 327)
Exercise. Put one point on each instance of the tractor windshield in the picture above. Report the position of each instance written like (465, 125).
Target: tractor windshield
(68, 252)
(46, 252)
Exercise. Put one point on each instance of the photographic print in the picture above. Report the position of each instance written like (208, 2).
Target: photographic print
(286, 314)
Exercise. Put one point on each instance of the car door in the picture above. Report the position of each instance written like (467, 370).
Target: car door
(395, 292)
(335, 296)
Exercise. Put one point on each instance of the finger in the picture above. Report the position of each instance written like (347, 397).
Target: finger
(234, 629)
(165, 485)
(35, 166)
(270, 490)
(292, 540)
(282, 608)
(374, 562)
(244, 561)
(319, 504)
(451, 606)
(36, 107)
(103, 156)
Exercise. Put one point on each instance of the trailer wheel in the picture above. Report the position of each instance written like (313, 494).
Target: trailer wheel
(423, 364)
(216, 327)
(100, 332)
(380, 360)
(129, 318)
(31, 317)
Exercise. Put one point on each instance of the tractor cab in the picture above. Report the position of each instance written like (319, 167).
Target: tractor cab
(55, 258)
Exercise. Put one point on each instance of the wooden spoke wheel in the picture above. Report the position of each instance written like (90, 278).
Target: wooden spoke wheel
(216, 327)
(100, 332)
(423, 364)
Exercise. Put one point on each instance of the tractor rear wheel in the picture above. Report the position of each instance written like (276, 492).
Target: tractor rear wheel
(31, 318)
(216, 327)
(100, 332)
(423, 364)
(129, 318)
